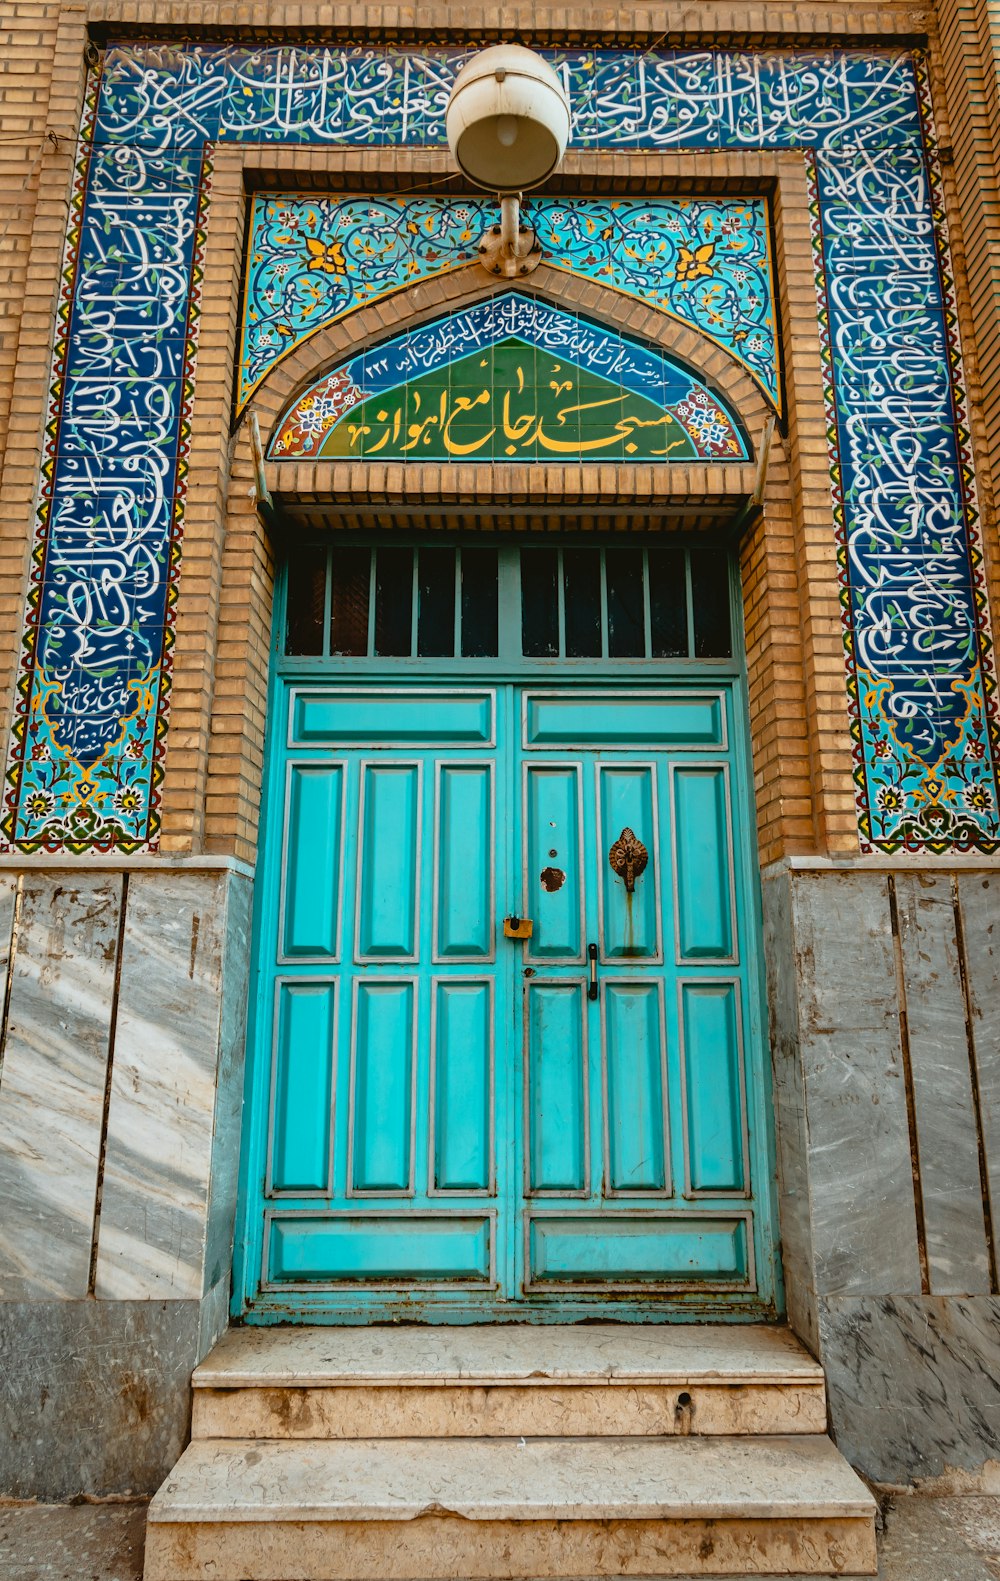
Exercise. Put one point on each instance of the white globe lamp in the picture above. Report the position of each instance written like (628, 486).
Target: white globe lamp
(508, 124)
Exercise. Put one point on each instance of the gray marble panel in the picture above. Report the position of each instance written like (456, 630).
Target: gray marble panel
(229, 1096)
(95, 1396)
(161, 1121)
(789, 1107)
(913, 1382)
(8, 903)
(860, 1174)
(54, 1074)
(979, 903)
(944, 1112)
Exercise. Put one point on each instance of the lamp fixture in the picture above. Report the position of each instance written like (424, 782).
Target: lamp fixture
(508, 124)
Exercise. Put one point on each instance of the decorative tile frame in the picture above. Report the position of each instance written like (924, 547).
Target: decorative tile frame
(85, 760)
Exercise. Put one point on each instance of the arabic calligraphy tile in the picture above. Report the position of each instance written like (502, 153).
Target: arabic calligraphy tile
(158, 95)
(546, 396)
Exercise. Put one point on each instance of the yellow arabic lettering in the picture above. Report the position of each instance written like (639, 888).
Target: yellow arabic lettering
(390, 432)
(464, 403)
(578, 443)
(625, 426)
(517, 429)
(418, 432)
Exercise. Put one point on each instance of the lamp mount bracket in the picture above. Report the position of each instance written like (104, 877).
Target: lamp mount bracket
(510, 249)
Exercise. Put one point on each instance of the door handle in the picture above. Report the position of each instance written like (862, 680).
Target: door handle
(592, 953)
(517, 927)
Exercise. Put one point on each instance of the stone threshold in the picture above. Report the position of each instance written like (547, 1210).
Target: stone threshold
(504, 1355)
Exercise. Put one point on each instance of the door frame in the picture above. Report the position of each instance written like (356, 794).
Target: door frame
(767, 1301)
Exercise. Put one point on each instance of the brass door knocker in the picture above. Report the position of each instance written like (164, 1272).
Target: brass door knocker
(628, 857)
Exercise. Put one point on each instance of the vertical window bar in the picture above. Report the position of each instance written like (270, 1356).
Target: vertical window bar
(414, 602)
(510, 639)
(456, 634)
(371, 603)
(689, 593)
(604, 603)
(561, 596)
(647, 620)
(327, 602)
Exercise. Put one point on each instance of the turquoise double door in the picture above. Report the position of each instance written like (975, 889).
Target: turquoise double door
(508, 1052)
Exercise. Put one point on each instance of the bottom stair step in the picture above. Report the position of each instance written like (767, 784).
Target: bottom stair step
(437, 1510)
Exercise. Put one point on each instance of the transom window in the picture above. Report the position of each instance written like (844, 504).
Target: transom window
(668, 600)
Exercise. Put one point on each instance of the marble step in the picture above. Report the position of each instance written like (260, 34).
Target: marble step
(502, 1381)
(419, 1510)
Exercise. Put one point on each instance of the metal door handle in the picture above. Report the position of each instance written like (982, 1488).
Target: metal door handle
(592, 952)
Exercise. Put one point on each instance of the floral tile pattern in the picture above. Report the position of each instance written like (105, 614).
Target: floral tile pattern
(312, 260)
(84, 762)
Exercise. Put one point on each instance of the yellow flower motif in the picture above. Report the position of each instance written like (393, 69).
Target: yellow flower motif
(694, 263)
(328, 256)
(978, 799)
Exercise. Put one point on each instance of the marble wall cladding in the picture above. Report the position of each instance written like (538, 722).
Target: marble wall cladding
(863, 1217)
(913, 1382)
(52, 1088)
(789, 1108)
(120, 1082)
(95, 1395)
(884, 1001)
(979, 920)
(947, 1141)
(227, 1134)
(172, 1089)
(120, 1094)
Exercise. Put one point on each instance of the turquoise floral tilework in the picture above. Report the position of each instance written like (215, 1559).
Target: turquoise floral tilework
(312, 260)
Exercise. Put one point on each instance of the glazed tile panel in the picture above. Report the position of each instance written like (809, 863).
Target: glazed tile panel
(84, 764)
(312, 260)
(511, 378)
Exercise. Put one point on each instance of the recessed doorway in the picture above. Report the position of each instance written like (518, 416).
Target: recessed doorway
(508, 1052)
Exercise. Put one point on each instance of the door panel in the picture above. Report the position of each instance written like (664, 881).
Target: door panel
(642, 720)
(714, 1089)
(704, 916)
(553, 874)
(310, 912)
(462, 1076)
(636, 1129)
(616, 1250)
(464, 863)
(557, 1094)
(388, 861)
(390, 717)
(382, 1077)
(628, 923)
(463, 1124)
(362, 1248)
(302, 1088)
